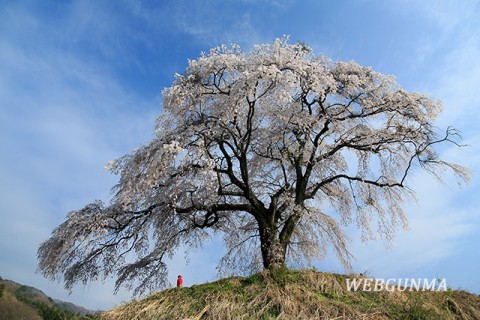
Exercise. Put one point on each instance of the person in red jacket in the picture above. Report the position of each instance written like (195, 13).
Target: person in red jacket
(179, 281)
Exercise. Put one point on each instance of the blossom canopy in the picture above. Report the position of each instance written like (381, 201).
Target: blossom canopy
(276, 148)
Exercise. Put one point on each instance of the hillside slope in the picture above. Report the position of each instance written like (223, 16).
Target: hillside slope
(296, 295)
(11, 308)
(19, 301)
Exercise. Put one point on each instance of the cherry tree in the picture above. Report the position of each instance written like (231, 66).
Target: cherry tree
(276, 149)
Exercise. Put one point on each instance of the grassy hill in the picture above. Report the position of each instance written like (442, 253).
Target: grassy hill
(19, 301)
(296, 295)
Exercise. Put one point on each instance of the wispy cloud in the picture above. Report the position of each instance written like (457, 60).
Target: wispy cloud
(63, 115)
(208, 23)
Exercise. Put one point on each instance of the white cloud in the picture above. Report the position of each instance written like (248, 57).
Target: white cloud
(458, 80)
(209, 23)
(63, 115)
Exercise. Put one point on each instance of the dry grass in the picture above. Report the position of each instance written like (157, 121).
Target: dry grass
(295, 295)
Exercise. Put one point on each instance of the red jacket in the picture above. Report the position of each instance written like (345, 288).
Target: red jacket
(179, 281)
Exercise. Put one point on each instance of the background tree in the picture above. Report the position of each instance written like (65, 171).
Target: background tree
(276, 149)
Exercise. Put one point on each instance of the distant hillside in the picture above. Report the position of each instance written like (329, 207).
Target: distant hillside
(19, 301)
(296, 295)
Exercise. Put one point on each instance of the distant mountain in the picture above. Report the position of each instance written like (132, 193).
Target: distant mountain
(19, 301)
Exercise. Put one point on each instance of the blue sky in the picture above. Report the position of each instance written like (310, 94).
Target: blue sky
(80, 84)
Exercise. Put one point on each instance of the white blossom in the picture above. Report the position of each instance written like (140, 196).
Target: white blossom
(277, 148)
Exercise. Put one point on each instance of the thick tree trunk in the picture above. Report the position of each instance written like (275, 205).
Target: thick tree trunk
(273, 252)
